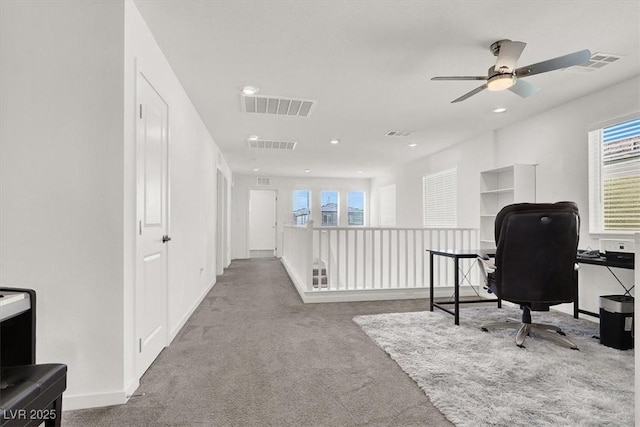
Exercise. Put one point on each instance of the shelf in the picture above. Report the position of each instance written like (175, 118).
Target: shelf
(498, 191)
(501, 187)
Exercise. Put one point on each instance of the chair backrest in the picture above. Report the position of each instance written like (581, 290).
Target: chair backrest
(536, 246)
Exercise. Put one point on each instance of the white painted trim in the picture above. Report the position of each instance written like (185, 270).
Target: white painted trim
(296, 282)
(93, 400)
(131, 389)
(189, 313)
(379, 294)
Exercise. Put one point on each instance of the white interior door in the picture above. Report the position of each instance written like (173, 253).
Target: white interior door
(152, 238)
(262, 223)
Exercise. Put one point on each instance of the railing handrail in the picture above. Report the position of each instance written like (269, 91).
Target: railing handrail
(357, 227)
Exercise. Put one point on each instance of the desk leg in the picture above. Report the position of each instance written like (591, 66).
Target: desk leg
(456, 278)
(576, 308)
(430, 281)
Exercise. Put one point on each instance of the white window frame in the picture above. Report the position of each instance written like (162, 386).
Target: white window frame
(440, 199)
(337, 224)
(597, 175)
(364, 208)
(309, 199)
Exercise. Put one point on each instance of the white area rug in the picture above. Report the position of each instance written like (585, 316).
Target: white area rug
(482, 378)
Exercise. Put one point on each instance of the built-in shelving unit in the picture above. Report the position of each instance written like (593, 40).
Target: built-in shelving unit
(501, 187)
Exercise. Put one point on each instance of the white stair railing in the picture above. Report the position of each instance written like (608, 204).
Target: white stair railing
(329, 259)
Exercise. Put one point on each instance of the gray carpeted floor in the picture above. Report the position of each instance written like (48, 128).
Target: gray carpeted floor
(254, 355)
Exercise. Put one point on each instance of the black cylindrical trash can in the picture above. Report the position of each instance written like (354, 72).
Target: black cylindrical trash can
(616, 321)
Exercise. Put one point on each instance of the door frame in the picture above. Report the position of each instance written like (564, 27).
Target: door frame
(221, 221)
(139, 268)
(275, 209)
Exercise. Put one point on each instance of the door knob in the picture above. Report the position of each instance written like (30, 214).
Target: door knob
(165, 238)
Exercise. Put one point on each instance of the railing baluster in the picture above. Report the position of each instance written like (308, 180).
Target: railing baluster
(364, 259)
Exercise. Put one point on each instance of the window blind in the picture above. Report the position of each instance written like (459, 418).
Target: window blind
(614, 175)
(440, 199)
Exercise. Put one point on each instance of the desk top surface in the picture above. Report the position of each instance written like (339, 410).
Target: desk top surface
(462, 253)
(602, 260)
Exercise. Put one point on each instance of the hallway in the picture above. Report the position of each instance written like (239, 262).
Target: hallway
(254, 355)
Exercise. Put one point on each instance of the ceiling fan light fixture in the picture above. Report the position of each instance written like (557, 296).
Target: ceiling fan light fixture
(501, 82)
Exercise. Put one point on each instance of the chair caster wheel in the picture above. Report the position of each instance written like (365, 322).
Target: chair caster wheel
(561, 333)
(575, 348)
(484, 329)
(521, 345)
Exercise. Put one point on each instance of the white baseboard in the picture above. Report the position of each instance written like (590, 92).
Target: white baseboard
(189, 313)
(93, 400)
(130, 391)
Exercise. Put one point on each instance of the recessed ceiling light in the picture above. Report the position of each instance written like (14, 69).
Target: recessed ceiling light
(359, 172)
(413, 144)
(249, 90)
(500, 110)
(256, 169)
(307, 170)
(335, 141)
(254, 138)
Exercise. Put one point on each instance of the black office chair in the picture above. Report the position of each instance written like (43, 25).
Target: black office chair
(536, 246)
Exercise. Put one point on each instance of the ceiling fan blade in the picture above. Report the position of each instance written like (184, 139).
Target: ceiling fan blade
(565, 61)
(460, 78)
(524, 89)
(509, 54)
(470, 94)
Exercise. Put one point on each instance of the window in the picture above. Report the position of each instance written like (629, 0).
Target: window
(329, 208)
(614, 178)
(355, 208)
(387, 208)
(301, 206)
(440, 199)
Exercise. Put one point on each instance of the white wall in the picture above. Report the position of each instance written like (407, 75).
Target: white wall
(243, 184)
(193, 161)
(61, 198)
(556, 140)
(68, 190)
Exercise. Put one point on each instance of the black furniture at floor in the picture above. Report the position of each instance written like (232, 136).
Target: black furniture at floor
(30, 394)
(536, 246)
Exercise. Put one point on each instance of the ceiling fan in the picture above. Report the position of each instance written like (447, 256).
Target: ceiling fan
(504, 75)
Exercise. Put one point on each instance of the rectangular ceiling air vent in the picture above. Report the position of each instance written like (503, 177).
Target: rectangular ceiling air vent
(276, 105)
(263, 181)
(597, 61)
(399, 133)
(269, 144)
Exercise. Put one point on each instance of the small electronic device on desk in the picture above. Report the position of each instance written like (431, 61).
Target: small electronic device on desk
(618, 250)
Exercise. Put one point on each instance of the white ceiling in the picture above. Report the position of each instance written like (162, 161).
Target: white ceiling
(368, 65)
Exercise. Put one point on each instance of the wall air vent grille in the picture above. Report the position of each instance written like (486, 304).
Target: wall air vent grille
(272, 145)
(399, 133)
(277, 106)
(263, 181)
(597, 61)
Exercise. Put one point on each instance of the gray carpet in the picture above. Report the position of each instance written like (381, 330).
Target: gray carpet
(254, 355)
(483, 379)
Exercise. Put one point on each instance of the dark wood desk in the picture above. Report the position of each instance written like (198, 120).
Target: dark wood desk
(456, 255)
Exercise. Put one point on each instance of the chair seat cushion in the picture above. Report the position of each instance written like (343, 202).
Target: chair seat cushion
(31, 386)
